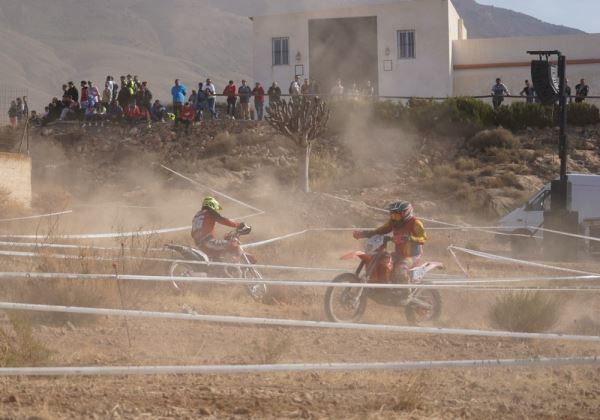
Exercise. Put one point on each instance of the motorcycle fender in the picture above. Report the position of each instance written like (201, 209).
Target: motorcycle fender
(352, 255)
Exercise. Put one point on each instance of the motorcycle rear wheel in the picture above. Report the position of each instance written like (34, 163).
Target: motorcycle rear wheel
(417, 314)
(179, 269)
(337, 299)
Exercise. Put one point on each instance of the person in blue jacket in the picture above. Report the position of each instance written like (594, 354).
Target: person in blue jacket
(178, 93)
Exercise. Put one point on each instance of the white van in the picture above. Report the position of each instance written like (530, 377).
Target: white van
(584, 198)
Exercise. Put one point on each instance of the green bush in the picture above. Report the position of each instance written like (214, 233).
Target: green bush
(583, 114)
(498, 138)
(525, 312)
(520, 115)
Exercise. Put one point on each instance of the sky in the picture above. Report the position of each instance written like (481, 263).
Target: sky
(580, 14)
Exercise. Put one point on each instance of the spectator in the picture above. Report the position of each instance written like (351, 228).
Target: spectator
(193, 98)
(581, 91)
(84, 92)
(245, 92)
(158, 111)
(201, 102)
(305, 88)
(211, 93)
(568, 91)
(274, 93)
(115, 111)
(136, 83)
(144, 98)
(89, 115)
(12, 114)
(68, 109)
(124, 96)
(338, 89)
(294, 89)
(354, 91)
(133, 113)
(72, 92)
(529, 92)
(20, 110)
(178, 93)
(259, 100)
(107, 93)
(230, 92)
(131, 85)
(499, 91)
(65, 89)
(100, 113)
(369, 89)
(115, 89)
(35, 119)
(187, 116)
(93, 91)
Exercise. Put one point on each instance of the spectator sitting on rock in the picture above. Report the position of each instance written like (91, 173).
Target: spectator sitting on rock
(115, 111)
(72, 92)
(158, 111)
(581, 91)
(69, 108)
(55, 109)
(35, 119)
(12, 114)
(187, 116)
(259, 100)
(100, 113)
(89, 116)
(230, 92)
(274, 93)
(133, 113)
(201, 102)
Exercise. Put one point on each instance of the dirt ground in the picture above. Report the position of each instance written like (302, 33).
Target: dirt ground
(566, 392)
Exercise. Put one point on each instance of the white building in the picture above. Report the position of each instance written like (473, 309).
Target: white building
(406, 48)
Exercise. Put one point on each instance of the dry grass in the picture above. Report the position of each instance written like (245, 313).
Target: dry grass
(51, 200)
(466, 164)
(499, 138)
(18, 346)
(270, 348)
(525, 312)
(222, 144)
(8, 207)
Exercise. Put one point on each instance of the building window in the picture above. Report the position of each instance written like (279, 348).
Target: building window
(406, 44)
(281, 52)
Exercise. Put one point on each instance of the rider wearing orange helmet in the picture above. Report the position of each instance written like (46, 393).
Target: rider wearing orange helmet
(408, 235)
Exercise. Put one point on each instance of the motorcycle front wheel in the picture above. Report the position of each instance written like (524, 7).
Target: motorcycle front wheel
(427, 306)
(345, 304)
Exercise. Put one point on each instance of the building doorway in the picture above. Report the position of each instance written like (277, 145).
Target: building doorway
(343, 48)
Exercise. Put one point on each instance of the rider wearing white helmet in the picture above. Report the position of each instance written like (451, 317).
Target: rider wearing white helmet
(408, 235)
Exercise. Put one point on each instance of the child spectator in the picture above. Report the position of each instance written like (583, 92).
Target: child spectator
(230, 92)
(187, 116)
(259, 100)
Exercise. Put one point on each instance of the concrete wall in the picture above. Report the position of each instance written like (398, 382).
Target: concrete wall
(477, 62)
(427, 75)
(15, 176)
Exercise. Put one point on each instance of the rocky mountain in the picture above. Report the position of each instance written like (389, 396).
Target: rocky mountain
(45, 44)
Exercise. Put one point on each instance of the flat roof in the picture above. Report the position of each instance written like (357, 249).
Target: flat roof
(282, 7)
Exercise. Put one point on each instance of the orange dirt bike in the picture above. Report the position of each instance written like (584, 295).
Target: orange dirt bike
(245, 270)
(349, 304)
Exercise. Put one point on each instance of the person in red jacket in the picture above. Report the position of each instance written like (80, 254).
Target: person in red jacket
(231, 93)
(203, 229)
(408, 236)
(133, 113)
(187, 116)
(259, 100)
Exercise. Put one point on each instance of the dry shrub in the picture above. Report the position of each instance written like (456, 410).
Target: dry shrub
(234, 165)
(248, 138)
(51, 200)
(222, 144)
(466, 164)
(324, 170)
(499, 138)
(487, 171)
(525, 312)
(270, 348)
(445, 171)
(408, 397)
(8, 207)
(19, 348)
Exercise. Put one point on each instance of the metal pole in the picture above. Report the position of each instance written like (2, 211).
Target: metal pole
(562, 147)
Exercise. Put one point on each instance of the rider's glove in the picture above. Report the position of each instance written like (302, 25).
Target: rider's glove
(357, 234)
(242, 226)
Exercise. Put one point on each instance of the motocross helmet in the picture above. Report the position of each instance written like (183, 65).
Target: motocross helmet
(401, 211)
(211, 203)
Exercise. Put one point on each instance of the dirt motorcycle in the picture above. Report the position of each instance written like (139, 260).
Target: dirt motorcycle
(349, 304)
(258, 291)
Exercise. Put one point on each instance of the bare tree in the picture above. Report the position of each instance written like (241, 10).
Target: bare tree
(303, 120)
